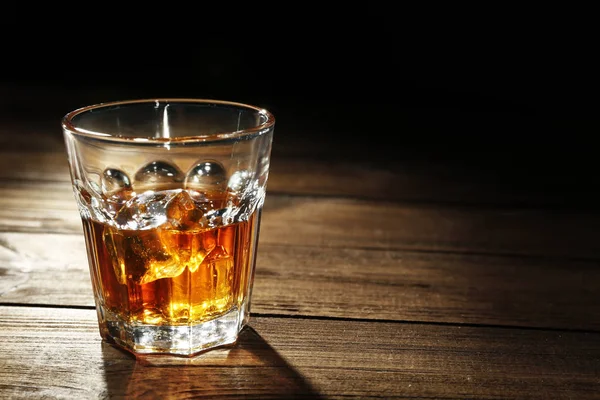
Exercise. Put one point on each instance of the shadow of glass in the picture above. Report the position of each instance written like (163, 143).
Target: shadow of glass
(249, 369)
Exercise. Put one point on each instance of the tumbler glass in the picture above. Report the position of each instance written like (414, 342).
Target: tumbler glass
(170, 193)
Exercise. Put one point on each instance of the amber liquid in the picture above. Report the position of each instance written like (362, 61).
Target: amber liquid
(171, 276)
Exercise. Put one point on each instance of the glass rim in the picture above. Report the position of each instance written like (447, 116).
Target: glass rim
(68, 124)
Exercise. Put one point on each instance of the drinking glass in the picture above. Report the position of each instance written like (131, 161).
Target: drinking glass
(170, 193)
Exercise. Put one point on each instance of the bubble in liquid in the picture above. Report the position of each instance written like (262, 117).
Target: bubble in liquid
(114, 180)
(159, 172)
(207, 175)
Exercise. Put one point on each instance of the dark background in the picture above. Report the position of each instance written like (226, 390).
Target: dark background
(502, 93)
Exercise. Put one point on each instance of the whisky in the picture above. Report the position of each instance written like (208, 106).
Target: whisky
(179, 269)
(170, 193)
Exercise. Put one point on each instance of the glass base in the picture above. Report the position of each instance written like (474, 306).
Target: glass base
(184, 340)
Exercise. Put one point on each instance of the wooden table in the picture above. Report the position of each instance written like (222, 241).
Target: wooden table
(379, 275)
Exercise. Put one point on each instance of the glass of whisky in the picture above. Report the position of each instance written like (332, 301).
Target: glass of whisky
(170, 193)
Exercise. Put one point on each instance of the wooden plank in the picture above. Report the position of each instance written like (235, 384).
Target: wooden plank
(480, 162)
(343, 223)
(57, 353)
(408, 181)
(347, 283)
(287, 175)
(34, 166)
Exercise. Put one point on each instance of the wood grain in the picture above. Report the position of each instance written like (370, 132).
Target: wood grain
(348, 283)
(409, 181)
(349, 223)
(57, 353)
(381, 272)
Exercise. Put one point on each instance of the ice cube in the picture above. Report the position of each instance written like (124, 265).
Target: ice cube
(203, 244)
(207, 175)
(115, 202)
(113, 242)
(182, 212)
(146, 210)
(159, 172)
(239, 181)
(217, 217)
(140, 256)
(159, 261)
(220, 267)
(189, 248)
(116, 189)
(243, 195)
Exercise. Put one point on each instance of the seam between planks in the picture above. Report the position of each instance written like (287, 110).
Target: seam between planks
(349, 319)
